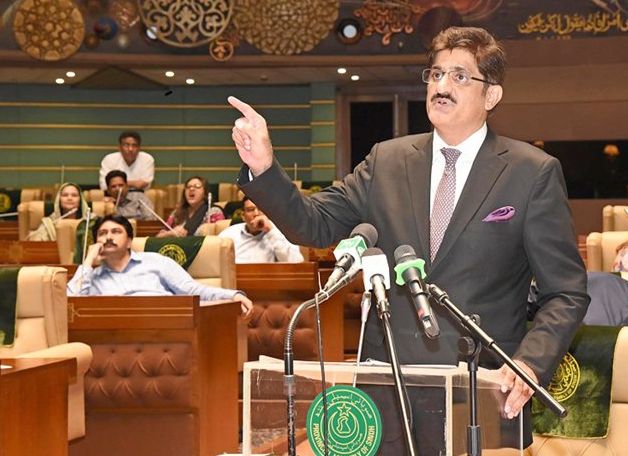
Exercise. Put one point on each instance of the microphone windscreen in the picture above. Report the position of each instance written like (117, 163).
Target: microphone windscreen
(404, 253)
(368, 233)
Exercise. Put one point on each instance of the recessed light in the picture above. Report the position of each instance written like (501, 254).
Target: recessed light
(341, 70)
(355, 77)
(60, 81)
(169, 74)
(70, 74)
(190, 81)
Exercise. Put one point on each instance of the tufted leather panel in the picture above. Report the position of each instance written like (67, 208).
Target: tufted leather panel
(140, 375)
(614, 218)
(267, 328)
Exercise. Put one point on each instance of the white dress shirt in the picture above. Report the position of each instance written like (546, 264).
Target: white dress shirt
(263, 247)
(143, 168)
(468, 148)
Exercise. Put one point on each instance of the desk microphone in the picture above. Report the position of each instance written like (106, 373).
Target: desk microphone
(410, 272)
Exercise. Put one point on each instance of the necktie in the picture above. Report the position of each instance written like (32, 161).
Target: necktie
(443, 200)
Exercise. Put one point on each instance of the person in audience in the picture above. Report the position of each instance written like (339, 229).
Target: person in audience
(138, 166)
(134, 205)
(621, 260)
(258, 240)
(485, 212)
(69, 203)
(110, 268)
(192, 211)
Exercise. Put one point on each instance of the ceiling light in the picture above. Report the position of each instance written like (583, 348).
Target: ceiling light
(60, 81)
(169, 74)
(349, 31)
(151, 32)
(355, 77)
(341, 70)
(190, 81)
(70, 74)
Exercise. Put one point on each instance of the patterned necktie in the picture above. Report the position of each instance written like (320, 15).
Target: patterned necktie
(443, 200)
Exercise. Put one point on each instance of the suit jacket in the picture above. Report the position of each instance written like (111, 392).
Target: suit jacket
(485, 267)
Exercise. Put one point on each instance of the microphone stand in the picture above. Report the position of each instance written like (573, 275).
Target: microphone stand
(383, 312)
(474, 345)
(289, 382)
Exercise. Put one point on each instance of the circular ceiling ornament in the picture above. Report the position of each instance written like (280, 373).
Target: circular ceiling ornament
(186, 23)
(285, 27)
(48, 30)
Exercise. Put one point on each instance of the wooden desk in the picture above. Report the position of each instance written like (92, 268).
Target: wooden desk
(34, 406)
(148, 228)
(164, 378)
(9, 230)
(28, 252)
(286, 285)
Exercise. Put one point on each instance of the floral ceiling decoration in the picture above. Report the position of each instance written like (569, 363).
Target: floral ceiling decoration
(186, 23)
(48, 29)
(52, 30)
(285, 27)
(387, 18)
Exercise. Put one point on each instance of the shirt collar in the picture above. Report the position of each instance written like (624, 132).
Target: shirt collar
(469, 146)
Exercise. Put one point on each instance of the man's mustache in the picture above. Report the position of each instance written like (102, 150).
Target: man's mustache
(109, 242)
(445, 95)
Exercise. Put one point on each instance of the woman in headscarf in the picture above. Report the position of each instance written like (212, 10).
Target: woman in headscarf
(192, 211)
(69, 203)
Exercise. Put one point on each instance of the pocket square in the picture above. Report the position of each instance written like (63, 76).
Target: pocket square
(502, 214)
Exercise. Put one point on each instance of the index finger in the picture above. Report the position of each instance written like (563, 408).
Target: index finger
(244, 108)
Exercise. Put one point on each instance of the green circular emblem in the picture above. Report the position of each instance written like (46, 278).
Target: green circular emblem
(354, 426)
(566, 378)
(175, 252)
(5, 202)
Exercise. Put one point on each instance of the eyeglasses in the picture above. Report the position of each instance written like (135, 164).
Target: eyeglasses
(196, 186)
(458, 76)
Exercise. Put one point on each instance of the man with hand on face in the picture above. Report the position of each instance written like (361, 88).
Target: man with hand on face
(258, 240)
(485, 212)
(138, 166)
(112, 269)
(133, 205)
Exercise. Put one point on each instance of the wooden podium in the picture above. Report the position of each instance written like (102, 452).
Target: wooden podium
(164, 378)
(34, 406)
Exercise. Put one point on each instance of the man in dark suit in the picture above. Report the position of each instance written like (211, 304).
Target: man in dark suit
(487, 213)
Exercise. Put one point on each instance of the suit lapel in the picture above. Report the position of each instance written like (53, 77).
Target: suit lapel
(418, 168)
(486, 168)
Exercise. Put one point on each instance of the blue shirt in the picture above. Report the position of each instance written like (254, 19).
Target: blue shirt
(146, 274)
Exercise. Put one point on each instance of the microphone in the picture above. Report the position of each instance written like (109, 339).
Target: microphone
(410, 272)
(348, 252)
(376, 277)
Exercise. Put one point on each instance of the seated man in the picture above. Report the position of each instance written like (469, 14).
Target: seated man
(621, 260)
(111, 268)
(130, 205)
(138, 166)
(258, 240)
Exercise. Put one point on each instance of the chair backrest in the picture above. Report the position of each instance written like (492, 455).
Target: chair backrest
(601, 249)
(173, 195)
(31, 194)
(29, 215)
(158, 197)
(227, 191)
(615, 218)
(616, 442)
(42, 319)
(95, 194)
(212, 229)
(214, 263)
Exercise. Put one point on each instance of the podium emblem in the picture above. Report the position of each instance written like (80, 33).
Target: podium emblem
(354, 423)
